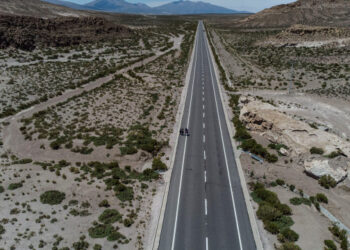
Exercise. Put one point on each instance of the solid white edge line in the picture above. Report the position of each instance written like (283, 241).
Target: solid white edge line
(184, 154)
(223, 146)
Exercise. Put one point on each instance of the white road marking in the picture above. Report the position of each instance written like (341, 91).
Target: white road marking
(203, 115)
(206, 206)
(205, 176)
(206, 243)
(203, 125)
(204, 155)
(203, 138)
(223, 146)
(183, 157)
(203, 106)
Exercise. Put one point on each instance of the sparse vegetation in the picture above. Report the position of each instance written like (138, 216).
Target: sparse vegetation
(274, 214)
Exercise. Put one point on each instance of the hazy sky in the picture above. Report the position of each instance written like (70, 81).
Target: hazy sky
(249, 5)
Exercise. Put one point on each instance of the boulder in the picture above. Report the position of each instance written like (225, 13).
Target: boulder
(319, 166)
(283, 152)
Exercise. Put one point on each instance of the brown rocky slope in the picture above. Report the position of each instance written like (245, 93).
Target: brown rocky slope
(36, 8)
(307, 12)
(27, 33)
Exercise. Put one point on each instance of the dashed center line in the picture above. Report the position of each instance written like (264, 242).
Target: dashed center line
(204, 155)
(205, 176)
(206, 206)
(203, 125)
(203, 115)
(206, 243)
(203, 138)
(203, 106)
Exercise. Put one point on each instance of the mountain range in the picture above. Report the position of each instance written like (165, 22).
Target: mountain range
(174, 8)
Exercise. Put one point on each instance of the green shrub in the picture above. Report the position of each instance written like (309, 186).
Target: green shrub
(2, 189)
(289, 246)
(52, 197)
(327, 181)
(157, 164)
(321, 198)
(14, 186)
(317, 206)
(288, 235)
(23, 161)
(284, 208)
(330, 245)
(341, 235)
(109, 216)
(127, 222)
(267, 196)
(268, 212)
(271, 158)
(284, 222)
(300, 200)
(334, 154)
(242, 134)
(273, 184)
(100, 231)
(124, 193)
(128, 150)
(97, 247)
(280, 182)
(115, 236)
(271, 227)
(81, 245)
(2, 229)
(55, 145)
(344, 245)
(318, 151)
(292, 188)
(104, 203)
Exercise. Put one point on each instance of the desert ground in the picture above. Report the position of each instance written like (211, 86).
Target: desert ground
(86, 134)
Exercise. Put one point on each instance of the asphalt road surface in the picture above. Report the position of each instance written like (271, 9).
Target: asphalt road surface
(205, 206)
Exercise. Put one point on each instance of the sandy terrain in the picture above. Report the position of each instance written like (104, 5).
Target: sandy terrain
(144, 92)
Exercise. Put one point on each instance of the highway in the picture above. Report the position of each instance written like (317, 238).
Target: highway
(205, 206)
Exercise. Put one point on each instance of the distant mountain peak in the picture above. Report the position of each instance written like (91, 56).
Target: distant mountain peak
(178, 7)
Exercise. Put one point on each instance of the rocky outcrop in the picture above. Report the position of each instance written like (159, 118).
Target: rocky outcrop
(337, 167)
(29, 32)
(278, 127)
